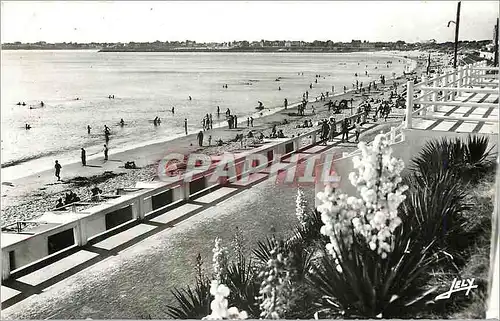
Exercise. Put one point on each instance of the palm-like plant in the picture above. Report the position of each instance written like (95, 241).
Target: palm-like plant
(434, 207)
(309, 234)
(241, 279)
(192, 303)
(478, 157)
(263, 251)
(367, 287)
(468, 160)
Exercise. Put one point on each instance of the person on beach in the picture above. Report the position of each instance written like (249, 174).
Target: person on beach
(311, 86)
(357, 130)
(96, 192)
(251, 121)
(307, 95)
(279, 88)
(173, 110)
(200, 138)
(122, 122)
(286, 103)
(345, 130)
(186, 125)
(352, 100)
(248, 121)
(345, 89)
(211, 121)
(235, 122)
(190, 98)
(84, 157)
(332, 130)
(324, 131)
(88, 129)
(209, 140)
(59, 203)
(58, 167)
(218, 111)
(105, 152)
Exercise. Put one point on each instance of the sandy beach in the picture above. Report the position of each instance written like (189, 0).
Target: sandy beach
(29, 197)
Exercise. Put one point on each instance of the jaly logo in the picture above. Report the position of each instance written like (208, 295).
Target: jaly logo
(457, 286)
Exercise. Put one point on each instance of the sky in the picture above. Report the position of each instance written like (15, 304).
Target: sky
(221, 21)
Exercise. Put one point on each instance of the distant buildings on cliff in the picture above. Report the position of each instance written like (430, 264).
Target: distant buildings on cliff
(262, 45)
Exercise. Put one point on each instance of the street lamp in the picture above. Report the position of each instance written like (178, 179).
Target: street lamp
(457, 25)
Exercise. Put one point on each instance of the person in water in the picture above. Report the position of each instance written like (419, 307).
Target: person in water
(190, 98)
(173, 110)
(58, 167)
(84, 157)
(286, 103)
(42, 104)
(186, 125)
(122, 122)
(106, 152)
(88, 129)
(28, 126)
(24, 104)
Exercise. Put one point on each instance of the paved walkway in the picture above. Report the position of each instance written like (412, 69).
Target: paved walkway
(464, 126)
(38, 277)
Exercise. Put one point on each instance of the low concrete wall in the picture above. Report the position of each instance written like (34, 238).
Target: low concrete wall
(92, 222)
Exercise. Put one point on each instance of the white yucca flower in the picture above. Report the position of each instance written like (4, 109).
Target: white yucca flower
(300, 208)
(219, 304)
(377, 177)
(275, 287)
(219, 259)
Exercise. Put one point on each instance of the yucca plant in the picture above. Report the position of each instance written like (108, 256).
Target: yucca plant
(434, 207)
(479, 159)
(192, 303)
(309, 234)
(468, 159)
(241, 279)
(368, 287)
(263, 251)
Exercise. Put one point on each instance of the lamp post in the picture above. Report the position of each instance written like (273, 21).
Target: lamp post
(457, 25)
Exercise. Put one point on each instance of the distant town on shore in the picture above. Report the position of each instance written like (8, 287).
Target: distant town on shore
(255, 46)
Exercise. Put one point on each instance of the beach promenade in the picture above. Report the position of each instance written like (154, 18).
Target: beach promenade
(27, 284)
(41, 277)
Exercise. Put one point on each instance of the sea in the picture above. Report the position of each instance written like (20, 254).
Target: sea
(75, 87)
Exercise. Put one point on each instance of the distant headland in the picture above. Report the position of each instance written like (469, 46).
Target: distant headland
(246, 46)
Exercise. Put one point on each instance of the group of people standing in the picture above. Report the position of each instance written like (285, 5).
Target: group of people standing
(329, 129)
(207, 122)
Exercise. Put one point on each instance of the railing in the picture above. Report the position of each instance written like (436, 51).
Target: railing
(146, 200)
(441, 90)
(394, 135)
